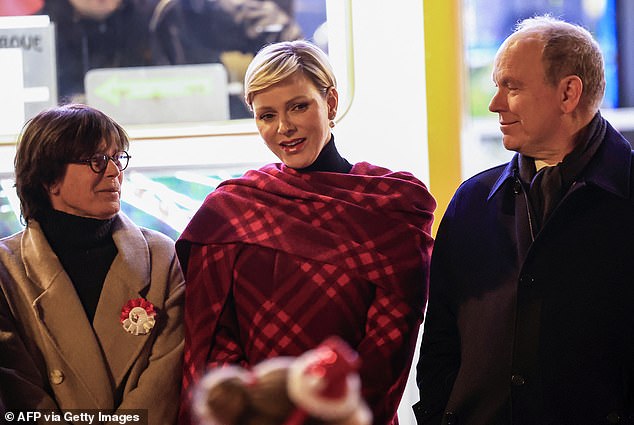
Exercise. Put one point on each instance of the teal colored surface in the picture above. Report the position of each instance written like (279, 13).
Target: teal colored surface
(10, 224)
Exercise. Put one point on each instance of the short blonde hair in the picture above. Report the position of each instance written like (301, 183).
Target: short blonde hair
(277, 62)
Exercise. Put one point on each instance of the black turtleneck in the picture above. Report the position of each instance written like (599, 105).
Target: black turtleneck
(329, 160)
(86, 250)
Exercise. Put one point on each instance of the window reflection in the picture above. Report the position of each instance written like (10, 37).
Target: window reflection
(174, 166)
(112, 34)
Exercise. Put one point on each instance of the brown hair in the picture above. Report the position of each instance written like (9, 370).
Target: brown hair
(49, 141)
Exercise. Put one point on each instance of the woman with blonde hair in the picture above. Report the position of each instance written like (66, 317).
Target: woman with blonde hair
(313, 246)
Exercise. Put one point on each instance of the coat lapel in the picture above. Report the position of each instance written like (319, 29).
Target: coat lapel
(62, 316)
(127, 279)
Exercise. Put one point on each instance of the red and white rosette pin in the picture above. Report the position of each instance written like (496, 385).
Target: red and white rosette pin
(137, 316)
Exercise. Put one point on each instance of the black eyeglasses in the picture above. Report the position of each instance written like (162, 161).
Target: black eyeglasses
(99, 162)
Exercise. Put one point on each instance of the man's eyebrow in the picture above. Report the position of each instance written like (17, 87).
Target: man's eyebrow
(507, 81)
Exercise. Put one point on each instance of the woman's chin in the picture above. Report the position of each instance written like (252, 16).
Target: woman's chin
(297, 162)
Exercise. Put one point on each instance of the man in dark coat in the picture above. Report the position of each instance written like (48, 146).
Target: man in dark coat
(531, 310)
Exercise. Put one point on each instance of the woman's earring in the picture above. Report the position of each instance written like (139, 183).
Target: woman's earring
(331, 123)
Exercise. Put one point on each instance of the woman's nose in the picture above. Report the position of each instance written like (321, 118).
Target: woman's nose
(112, 169)
(285, 126)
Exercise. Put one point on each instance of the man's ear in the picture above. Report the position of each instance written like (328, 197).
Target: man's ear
(570, 88)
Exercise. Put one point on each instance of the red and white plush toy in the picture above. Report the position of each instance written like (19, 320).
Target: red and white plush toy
(321, 386)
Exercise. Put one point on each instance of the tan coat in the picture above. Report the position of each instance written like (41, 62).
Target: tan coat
(51, 356)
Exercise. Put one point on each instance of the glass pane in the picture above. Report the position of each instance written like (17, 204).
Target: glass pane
(161, 199)
(155, 61)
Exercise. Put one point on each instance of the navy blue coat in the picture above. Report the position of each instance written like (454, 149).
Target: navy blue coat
(523, 331)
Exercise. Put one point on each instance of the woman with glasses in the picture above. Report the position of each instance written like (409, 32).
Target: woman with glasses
(313, 246)
(90, 304)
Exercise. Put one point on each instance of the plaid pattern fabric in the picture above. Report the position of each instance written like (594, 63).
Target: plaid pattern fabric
(276, 261)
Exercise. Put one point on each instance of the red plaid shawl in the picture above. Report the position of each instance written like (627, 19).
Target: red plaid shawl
(339, 231)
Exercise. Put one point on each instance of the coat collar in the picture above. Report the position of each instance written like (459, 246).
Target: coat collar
(128, 279)
(608, 170)
(62, 318)
(104, 352)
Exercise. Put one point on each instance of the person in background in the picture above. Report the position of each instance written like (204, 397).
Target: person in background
(289, 254)
(216, 26)
(231, 32)
(321, 386)
(112, 34)
(94, 34)
(530, 317)
(90, 304)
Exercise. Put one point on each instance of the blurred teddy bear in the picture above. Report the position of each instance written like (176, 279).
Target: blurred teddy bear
(321, 386)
